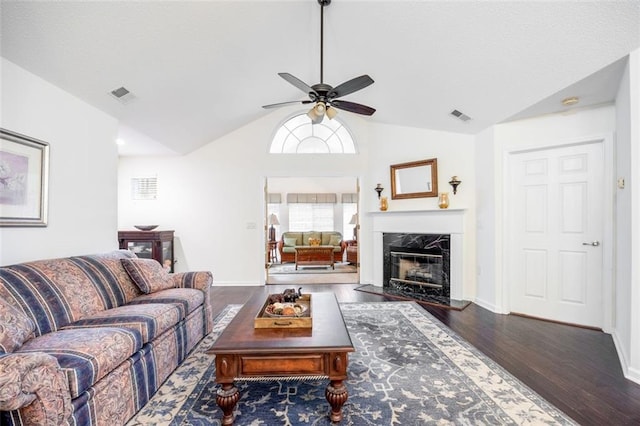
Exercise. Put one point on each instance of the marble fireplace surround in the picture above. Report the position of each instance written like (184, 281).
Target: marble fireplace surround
(441, 221)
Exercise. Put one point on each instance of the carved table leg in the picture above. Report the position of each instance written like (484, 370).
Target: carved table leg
(227, 397)
(337, 395)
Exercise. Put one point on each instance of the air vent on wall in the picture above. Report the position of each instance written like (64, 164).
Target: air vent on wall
(144, 188)
(460, 115)
(122, 94)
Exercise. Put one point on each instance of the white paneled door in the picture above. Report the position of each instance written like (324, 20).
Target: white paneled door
(555, 257)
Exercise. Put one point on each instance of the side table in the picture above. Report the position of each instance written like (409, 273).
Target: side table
(273, 251)
(352, 252)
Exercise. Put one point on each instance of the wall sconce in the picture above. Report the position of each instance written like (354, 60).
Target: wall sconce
(379, 190)
(454, 182)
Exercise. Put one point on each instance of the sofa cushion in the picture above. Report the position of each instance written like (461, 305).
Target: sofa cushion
(15, 327)
(335, 240)
(296, 235)
(306, 236)
(53, 293)
(290, 242)
(109, 277)
(185, 299)
(86, 354)
(147, 274)
(150, 320)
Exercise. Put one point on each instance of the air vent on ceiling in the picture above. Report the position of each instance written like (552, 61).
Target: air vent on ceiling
(122, 94)
(460, 115)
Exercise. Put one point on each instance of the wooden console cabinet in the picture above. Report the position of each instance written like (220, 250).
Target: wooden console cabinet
(156, 245)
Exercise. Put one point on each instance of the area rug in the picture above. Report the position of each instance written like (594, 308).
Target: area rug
(290, 268)
(408, 369)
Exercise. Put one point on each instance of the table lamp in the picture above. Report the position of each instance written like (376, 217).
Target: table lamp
(354, 221)
(273, 220)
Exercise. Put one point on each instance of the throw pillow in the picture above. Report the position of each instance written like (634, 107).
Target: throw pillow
(335, 240)
(15, 327)
(291, 242)
(147, 274)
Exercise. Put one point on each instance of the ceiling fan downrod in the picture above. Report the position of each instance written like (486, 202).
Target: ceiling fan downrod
(322, 3)
(322, 95)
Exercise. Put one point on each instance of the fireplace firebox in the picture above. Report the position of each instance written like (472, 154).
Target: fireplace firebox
(417, 266)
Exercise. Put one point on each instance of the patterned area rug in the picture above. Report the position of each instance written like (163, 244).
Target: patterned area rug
(408, 369)
(290, 268)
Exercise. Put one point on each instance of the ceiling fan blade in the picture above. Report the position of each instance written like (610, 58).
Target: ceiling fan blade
(278, 105)
(350, 86)
(297, 82)
(353, 107)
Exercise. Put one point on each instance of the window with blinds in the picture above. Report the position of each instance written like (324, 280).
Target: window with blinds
(310, 217)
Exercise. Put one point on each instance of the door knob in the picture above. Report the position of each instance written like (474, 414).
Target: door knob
(594, 244)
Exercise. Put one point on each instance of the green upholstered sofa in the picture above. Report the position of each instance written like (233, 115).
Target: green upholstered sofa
(289, 241)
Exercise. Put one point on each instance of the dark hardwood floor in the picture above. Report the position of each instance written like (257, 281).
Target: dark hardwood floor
(575, 369)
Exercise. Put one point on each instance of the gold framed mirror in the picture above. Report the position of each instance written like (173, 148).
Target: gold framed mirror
(417, 179)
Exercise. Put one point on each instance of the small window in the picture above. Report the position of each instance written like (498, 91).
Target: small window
(298, 136)
(144, 188)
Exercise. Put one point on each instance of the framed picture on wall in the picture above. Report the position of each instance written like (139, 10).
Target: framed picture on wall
(24, 173)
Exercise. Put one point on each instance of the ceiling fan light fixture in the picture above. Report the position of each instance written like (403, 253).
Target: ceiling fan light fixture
(316, 114)
(331, 112)
(322, 94)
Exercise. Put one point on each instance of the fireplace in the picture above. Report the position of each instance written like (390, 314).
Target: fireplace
(428, 247)
(417, 266)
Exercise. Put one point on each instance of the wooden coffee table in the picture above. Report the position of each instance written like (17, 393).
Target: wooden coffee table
(245, 352)
(314, 255)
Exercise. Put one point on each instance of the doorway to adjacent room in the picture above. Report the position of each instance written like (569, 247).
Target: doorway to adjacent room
(295, 206)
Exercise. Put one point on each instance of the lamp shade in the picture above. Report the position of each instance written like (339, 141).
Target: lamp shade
(273, 219)
(354, 219)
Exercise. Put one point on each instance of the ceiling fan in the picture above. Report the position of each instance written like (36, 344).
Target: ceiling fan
(323, 95)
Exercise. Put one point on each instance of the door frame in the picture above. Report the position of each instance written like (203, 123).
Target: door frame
(265, 186)
(608, 289)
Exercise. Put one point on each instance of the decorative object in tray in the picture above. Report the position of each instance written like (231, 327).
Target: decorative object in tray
(289, 309)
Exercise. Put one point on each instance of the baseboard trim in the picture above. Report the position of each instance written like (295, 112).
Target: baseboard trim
(486, 305)
(629, 373)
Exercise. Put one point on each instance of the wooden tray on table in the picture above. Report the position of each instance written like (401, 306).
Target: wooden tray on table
(290, 315)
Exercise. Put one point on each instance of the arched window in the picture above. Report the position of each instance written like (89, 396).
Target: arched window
(298, 136)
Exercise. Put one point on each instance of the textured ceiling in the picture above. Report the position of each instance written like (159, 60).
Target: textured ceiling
(201, 69)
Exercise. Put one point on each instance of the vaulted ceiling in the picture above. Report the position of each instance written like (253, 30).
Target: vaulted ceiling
(201, 69)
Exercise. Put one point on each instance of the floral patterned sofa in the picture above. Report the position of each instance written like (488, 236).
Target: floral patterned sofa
(88, 340)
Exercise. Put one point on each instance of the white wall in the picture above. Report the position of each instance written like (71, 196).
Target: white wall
(493, 148)
(83, 169)
(633, 371)
(488, 230)
(627, 271)
(213, 198)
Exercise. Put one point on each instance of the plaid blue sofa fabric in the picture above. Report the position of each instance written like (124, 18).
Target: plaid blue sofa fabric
(148, 320)
(104, 278)
(86, 355)
(114, 344)
(37, 294)
(185, 299)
